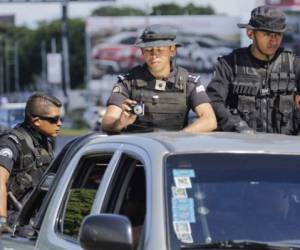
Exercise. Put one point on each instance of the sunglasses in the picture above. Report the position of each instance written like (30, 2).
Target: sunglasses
(51, 119)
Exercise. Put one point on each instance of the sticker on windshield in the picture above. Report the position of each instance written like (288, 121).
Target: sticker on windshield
(183, 182)
(183, 231)
(182, 227)
(184, 173)
(186, 238)
(183, 210)
(179, 192)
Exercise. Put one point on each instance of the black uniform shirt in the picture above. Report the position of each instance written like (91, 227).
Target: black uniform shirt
(10, 149)
(218, 88)
(196, 94)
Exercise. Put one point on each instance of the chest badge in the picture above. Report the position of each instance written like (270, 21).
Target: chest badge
(160, 85)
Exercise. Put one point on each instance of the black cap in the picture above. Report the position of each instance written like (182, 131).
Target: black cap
(266, 18)
(158, 35)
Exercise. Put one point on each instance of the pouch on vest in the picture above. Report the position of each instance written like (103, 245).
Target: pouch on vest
(20, 184)
(245, 88)
(286, 104)
(274, 86)
(292, 83)
(246, 106)
(283, 82)
(285, 114)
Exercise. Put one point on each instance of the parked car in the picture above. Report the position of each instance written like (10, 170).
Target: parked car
(93, 116)
(11, 114)
(166, 191)
(117, 53)
(200, 53)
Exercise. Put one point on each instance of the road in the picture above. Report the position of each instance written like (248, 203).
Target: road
(61, 141)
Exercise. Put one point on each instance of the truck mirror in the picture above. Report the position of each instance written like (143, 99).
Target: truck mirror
(106, 232)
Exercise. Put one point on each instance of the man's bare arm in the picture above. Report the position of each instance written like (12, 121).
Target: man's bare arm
(115, 118)
(206, 120)
(4, 175)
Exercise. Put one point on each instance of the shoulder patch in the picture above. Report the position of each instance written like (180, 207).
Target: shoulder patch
(6, 152)
(194, 78)
(14, 138)
(116, 89)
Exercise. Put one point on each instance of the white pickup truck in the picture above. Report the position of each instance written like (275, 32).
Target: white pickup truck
(159, 191)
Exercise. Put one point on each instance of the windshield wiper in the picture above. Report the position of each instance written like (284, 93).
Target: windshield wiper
(237, 244)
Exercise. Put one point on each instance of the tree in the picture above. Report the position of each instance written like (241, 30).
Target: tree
(30, 43)
(191, 9)
(174, 9)
(10, 35)
(114, 11)
(167, 9)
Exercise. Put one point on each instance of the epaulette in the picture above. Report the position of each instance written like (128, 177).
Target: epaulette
(123, 77)
(287, 50)
(14, 138)
(193, 78)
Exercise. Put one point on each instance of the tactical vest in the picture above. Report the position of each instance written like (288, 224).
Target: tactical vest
(33, 162)
(264, 98)
(163, 109)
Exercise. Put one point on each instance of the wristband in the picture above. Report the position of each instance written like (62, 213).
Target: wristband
(3, 220)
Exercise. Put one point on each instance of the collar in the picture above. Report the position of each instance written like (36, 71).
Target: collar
(171, 78)
(262, 62)
(41, 139)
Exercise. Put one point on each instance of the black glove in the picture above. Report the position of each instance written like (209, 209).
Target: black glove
(4, 227)
(242, 127)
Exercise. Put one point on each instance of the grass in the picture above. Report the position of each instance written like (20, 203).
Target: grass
(73, 132)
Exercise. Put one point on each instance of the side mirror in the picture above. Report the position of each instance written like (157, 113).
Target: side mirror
(106, 232)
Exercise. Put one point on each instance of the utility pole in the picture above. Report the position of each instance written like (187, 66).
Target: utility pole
(53, 45)
(87, 57)
(65, 51)
(44, 66)
(1, 66)
(16, 68)
(7, 65)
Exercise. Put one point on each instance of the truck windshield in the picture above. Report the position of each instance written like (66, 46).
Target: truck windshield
(219, 197)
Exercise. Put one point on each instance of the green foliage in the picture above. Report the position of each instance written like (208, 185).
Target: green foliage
(191, 9)
(115, 11)
(167, 9)
(77, 52)
(10, 35)
(46, 32)
(79, 205)
(174, 9)
(30, 48)
(76, 117)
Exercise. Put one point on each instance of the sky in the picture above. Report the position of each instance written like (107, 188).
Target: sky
(30, 14)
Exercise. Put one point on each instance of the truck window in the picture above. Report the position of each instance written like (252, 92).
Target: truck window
(82, 192)
(128, 194)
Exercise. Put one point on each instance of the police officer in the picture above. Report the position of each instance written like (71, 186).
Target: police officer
(26, 151)
(158, 95)
(253, 88)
